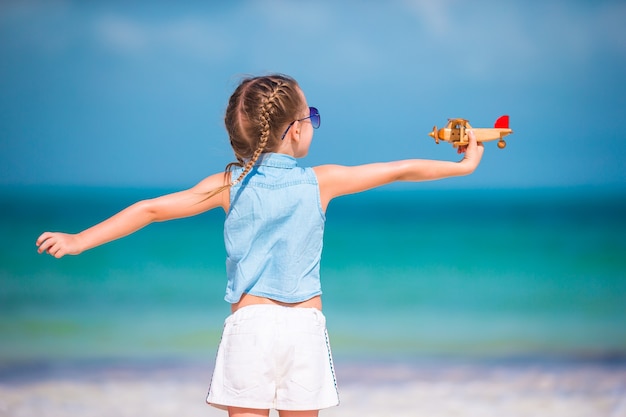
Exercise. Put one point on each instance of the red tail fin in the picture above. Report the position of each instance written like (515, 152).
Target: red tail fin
(502, 122)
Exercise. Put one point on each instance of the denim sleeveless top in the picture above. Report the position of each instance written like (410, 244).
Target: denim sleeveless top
(273, 232)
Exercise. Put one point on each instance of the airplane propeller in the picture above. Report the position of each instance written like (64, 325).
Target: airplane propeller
(434, 134)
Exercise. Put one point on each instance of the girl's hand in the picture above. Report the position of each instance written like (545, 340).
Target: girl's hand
(58, 244)
(473, 150)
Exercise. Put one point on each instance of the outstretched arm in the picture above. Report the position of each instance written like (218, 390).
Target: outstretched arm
(171, 206)
(337, 180)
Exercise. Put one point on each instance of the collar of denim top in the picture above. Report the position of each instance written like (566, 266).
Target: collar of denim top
(277, 160)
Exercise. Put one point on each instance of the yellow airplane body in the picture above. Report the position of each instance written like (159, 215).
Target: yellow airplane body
(455, 132)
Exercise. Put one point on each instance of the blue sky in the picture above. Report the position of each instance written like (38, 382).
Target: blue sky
(116, 94)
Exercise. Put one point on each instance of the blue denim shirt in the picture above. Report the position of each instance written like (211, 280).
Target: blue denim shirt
(273, 232)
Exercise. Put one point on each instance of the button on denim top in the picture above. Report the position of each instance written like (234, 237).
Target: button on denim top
(273, 232)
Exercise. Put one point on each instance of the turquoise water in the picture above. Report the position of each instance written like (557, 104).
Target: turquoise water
(406, 273)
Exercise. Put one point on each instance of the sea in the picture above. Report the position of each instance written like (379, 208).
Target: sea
(408, 274)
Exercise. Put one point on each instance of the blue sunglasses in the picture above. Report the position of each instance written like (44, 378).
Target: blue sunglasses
(314, 115)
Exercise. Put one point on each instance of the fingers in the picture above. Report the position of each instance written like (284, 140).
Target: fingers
(41, 238)
(472, 138)
(56, 250)
(44, 242)
(50, 243)
(472, 142)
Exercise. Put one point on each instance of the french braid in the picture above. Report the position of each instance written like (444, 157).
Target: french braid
(257, 111)
(267, 110)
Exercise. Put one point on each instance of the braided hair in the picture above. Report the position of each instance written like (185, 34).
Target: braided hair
(257, 112)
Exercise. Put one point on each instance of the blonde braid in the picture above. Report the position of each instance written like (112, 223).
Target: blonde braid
(265, 117)
(256, 109)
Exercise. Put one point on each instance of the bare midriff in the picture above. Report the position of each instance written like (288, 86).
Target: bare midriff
(248, 300)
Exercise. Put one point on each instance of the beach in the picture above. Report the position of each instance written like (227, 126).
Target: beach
(526, 388)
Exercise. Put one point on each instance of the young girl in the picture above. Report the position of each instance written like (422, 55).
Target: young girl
(274, 351)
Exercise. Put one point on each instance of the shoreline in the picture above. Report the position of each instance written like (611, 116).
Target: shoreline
(556, 387)
(12, 370)
(353, 368)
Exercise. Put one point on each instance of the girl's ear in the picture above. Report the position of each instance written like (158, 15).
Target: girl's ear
(294, 132)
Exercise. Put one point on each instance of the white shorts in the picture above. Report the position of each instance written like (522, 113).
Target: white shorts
(274, 357)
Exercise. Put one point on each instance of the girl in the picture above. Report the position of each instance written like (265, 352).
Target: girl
(274, 351)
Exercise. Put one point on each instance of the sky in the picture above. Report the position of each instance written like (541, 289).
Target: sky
(132, 94)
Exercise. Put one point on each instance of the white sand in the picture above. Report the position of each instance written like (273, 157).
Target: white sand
(584, 390)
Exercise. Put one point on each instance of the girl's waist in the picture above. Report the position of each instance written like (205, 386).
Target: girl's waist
(249, 299)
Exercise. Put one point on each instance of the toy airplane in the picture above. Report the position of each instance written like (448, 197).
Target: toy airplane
(454, 132)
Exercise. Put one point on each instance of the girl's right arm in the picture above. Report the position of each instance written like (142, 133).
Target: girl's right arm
(171, 206)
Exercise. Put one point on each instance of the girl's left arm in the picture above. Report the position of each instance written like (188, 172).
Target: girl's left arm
(337, 180)
(171, 206)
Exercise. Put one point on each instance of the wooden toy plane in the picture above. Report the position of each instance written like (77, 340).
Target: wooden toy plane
(454, 132)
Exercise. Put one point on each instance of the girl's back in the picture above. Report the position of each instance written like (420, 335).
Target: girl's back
(273, 232)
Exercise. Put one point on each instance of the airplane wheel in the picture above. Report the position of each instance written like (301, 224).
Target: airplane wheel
(501, 144)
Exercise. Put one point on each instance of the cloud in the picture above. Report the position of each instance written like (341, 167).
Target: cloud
(195, 37)
(525, 40)
(434, 15)
(122, 34)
